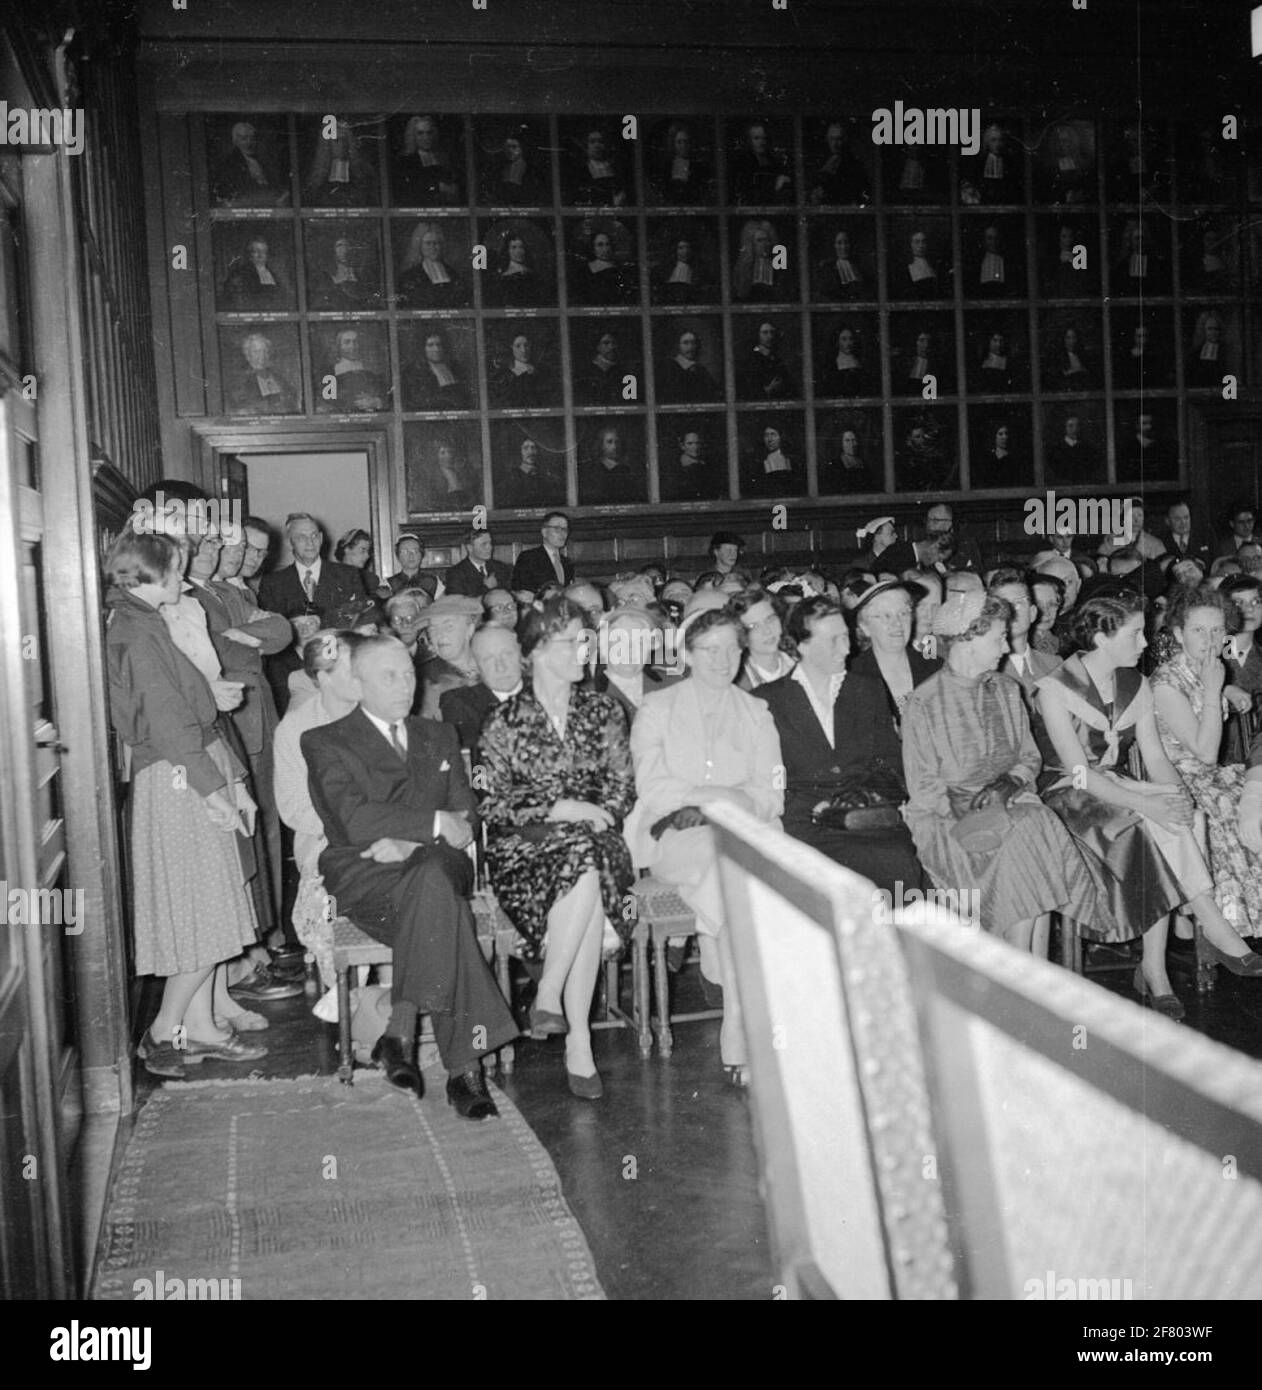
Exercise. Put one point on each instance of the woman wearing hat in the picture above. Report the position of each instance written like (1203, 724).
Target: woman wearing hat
(971, 764)
(884, 621)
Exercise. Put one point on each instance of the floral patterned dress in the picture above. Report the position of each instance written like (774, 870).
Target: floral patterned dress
(1237, 872)
(527, 768)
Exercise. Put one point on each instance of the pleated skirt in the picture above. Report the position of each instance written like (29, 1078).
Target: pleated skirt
(192, 906)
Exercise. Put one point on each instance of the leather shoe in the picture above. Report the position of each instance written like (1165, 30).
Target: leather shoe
(262, 985)
(544, 1024)
(396, 1061)
(585, 1087)
(468, 1093)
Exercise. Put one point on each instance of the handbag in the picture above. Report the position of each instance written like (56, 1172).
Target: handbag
(867, 798)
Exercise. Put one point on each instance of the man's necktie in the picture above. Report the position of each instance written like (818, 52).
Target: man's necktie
(308, 584)
(397, 740)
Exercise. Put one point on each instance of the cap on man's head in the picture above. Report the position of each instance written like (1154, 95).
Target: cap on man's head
(454, 606)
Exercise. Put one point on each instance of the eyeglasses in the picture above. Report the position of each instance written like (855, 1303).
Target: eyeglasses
(1247, 602)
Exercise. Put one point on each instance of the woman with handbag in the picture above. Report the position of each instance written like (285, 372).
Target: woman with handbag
(971, 764)
(1138, 836)
(701, 741)
(558, 786)
(842, 761)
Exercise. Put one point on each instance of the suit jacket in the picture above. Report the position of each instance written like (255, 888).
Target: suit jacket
(1201, 545)
(862, 732)
(228, 607)
(463, 578)
(865, 664)
(282, 592)
(466, 707)
(363, 791)
(534, 569)
(653, 681)
(423, 579)
(1038, 665)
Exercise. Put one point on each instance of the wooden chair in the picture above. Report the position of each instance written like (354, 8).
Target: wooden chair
(352, 947)
(662, 913)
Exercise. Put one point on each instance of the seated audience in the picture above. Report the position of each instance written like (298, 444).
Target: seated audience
(497, 656)
(762, 617)
(1188, 693)
(499, 606)
(629, 637)
(559, 785)
(1023, 662)
(479, 573)
(1049, 599)
(839, 746)
(398, 814)
(701, 741)
(409, 551)
(883, 623)
(355, 549)
(1138, 836)
(189, 834)
(545, 563)
(449, 626)
(971, 763)
(326, 659)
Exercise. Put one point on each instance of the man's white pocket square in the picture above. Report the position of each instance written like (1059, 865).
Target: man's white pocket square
(446, 766)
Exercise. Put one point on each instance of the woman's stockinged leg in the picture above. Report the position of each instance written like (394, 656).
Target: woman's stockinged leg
(732, 1049)
(569, 920)
(177, 997)
(579, 989)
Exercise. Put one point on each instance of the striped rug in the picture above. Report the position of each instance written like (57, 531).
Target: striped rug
(308, 1189)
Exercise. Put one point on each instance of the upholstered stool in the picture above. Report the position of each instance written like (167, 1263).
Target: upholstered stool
(662, 913)
(352, 947)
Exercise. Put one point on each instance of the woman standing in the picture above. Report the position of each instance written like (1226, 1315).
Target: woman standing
(971, 764)
(355, 549)
(697, 743)
(1188, 692)
(188, 804)
(559, 784)
(1138, 836)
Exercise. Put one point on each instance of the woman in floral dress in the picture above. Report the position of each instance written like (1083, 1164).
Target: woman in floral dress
(559, 784)
(1188, 692)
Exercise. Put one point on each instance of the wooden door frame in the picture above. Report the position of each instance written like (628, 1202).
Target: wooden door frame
(217, 442)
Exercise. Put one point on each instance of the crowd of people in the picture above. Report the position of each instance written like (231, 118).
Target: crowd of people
(1071, 737)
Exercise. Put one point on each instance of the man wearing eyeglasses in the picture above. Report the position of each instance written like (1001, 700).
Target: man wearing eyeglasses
(1184, 540)
(545, 564)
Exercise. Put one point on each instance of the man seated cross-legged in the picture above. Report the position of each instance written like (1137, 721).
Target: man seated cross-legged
(398, 813)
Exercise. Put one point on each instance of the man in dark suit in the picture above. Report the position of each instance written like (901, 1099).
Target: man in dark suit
(498, 658)
(545, 564)
(398, 813)
(1023, 662)
(314, 589)
(409, 552)
(956, 552)
(1184, 540)
(1242, 522)
(478, 573)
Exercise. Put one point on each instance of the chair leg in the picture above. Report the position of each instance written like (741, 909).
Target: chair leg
(640, 993)
(345, 1057)
(506, 1059)
(665, 1038)
(1205, 968)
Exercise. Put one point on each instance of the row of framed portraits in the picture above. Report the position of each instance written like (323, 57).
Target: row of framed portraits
(855, 354)
(337, 265)
(438, 160)
(530, 458)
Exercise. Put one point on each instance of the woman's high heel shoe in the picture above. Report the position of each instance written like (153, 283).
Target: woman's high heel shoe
(1167, 1004)
(1249, 964)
